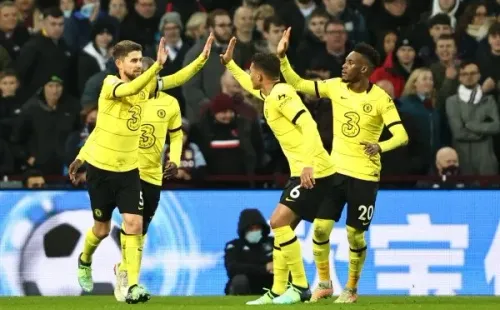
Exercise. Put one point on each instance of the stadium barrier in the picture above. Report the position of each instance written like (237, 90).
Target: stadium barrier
(420, 243)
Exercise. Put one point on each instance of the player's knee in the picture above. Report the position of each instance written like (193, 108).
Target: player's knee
(133, 224)
(240, 285)
(101, 230)
(356, 238)
(322, 229)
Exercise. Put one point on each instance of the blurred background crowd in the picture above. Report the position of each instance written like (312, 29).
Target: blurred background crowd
(441, 64)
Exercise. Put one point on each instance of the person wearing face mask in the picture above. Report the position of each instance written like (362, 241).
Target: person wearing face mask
(446, 167)
(249, 258)
(474, 120)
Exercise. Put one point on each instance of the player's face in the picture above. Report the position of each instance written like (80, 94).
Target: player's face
(130, 65)
(256, 77)
(354, 68)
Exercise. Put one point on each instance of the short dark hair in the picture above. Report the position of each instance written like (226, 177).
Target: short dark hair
(447, 36)
(147, 62)
(468, 62)
(369, 53)
(212, 15)
(8, 72)
(269, 63)
(54, 12)
(125, 47)
(334, 21)
(318, 13)
(273, 20)
(31, 173)
(494, 29)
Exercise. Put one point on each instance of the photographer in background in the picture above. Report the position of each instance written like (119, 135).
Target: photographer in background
(249, 258)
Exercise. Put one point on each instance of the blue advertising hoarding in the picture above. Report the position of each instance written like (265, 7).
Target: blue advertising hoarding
(420, 243)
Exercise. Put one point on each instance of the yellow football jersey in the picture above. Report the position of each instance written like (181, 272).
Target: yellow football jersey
(283, 110)
(358, 117)
(113, 144)
(161, 114)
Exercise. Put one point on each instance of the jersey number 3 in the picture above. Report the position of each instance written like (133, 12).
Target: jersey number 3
(148, 138)
(351, 128)
(134, 122)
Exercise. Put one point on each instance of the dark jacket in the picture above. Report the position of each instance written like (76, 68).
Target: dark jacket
(40, 59)
(93, 85)
(310, 45)
(139, 29)
(355, 25)
(10, 108)
(16, 41)
(321, 111)
(244, 258)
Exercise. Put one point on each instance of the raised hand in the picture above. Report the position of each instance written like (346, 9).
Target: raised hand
(208, 46)
(284, 43)
(228, 56)
(162, 54)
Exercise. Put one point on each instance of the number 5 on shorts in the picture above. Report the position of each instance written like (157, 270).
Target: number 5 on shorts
(366, 214)
(141, 201)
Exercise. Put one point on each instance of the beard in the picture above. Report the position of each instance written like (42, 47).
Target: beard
(220, 39)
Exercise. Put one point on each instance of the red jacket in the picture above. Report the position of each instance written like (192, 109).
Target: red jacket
(387, 72)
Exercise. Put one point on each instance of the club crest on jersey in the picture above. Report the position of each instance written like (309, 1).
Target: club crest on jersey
(98, 213)
(161, 113)
(142, 95)
(367, 108)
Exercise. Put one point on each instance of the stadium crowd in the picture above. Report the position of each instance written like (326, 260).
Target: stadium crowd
(441, 65)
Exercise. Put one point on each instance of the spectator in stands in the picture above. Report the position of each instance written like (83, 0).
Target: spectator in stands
(6, 158)
(387, 15)
(233, 89)
(411, 159)
(488, 60)
(445, 70)
(117, 10)
(206, 84)
(398, 65)
(249, 259)
(78, 28)
(47, 119)
(77, 138)
(448, 7)
(141, 24)
(13, 35)
(232, 144)
(418, 102)
(171, 28)
(193, 165)
(447, 165)
(354, 22)
(92, 89)
(474, 119)
(67, 7)
(243, 26)
(260, 15)
(274, 27)
(196, 26)
(472, 29)
(295, 14)
(44, 55)
(96, 53)
(437, 26)
(313, 40)
(332, 57)
(10, 105)
(33, 179)
(386, 46)
(29, 15)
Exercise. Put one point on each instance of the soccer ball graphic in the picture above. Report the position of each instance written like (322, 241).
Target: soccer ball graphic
(49, 259)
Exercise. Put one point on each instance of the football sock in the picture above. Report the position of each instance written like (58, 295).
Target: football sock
(123, 263)
(133, 254)
(357, 255)
(290, 249)
(321, 247)
(280, 271)
(89, 246)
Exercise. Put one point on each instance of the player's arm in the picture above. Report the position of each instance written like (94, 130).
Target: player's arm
(305, 86)
(175, 134)
(313, 88)
(185, 74)
(393, 122)
(122, 89)
(241, 76)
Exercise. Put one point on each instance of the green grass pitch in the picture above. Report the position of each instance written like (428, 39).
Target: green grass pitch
(229, 303)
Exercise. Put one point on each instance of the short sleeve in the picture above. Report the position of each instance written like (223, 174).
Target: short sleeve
(109, 85)
(289, 105)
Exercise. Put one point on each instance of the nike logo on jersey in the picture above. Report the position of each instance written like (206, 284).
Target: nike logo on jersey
(288, 199)
(342, 97)
(364, 224)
